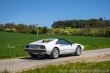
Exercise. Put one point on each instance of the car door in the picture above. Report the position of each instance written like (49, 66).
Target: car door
(67, 46)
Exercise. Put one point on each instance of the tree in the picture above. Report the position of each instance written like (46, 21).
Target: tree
(33, 31)
(1, 27)
(93, 23)
(22, 28)
(100, 19)
(44, 30)
(9, 25)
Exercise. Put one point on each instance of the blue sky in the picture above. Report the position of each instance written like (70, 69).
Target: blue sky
(45, 12)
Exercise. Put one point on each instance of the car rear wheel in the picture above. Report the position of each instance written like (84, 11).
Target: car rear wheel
(54, 53)
(33, 55)
(78, 51)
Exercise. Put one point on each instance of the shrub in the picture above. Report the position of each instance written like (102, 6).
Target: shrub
(33, 31)
(5, 71)
(64, 33)
(107, 33)
(84, 31)
(57, 32)
(10, 30)
(100, 32)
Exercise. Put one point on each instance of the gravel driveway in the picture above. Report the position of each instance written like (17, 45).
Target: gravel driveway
(24, 63)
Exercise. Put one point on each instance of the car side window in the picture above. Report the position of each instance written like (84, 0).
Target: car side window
(64, 42)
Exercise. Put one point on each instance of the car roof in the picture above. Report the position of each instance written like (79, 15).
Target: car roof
(61, 39)
(49, 39)
(54, 39)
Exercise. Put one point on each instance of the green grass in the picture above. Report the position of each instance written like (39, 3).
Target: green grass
(78, 67)
(5, 71)
(12, 44)
(67, 28)
(73, 29)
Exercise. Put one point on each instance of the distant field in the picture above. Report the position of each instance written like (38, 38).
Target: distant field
(67, 28)
(12, 44)
(78, 67)
(71, 29)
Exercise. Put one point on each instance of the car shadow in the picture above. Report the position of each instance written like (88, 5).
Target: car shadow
(37, 58)
(44, 57)
(64, 56)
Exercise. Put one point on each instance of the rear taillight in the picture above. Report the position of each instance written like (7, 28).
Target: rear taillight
(42, 47)
(27, 46)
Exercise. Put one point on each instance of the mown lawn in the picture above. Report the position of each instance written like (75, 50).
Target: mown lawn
(78, 67)
(12, 44)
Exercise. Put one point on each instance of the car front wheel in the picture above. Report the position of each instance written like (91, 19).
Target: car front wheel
(54, 53)
(78, 51)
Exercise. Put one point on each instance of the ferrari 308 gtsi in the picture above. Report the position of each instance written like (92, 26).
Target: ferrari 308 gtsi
(53, 47)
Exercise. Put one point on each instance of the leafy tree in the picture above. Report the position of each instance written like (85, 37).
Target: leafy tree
(100, 19)
(9, 25)
(107, 33)
(1, 27)
(44, 30)
(22, 28)
(93, 23)
(33, 31)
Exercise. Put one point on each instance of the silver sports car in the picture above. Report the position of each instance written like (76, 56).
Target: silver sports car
(53, 47)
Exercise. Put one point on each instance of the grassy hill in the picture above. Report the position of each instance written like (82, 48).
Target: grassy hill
(12, 44)
(72, 29)
(66, 28)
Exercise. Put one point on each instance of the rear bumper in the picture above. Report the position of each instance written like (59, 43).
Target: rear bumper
(35, 51)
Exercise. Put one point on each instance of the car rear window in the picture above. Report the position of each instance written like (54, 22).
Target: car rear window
(46, 41)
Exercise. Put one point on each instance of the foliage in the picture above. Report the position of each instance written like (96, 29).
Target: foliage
(23, 28)
(33, 31)
(44, 30)
(64, 33)
(12, 44)
(4, 71)
(78, 67)
(74, 27)
(93, 23)
(107, 33)
(1, 27)
(10, 31)
(86, 31)
(57, 32)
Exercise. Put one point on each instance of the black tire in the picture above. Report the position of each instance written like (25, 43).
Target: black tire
(78, 51)
(33, 55)
(55, 53)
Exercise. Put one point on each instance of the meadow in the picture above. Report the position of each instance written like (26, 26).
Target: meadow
(66, 28)
(71, 29)
(78, 67)
(12, 44)
(87, 31)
